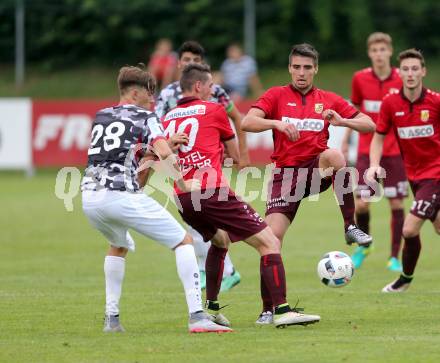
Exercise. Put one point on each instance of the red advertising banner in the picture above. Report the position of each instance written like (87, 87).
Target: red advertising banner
(61, 133)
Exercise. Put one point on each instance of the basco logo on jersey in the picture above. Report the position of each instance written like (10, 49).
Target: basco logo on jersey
(307, 124)
(413, 132)
(372, 106)
(424, 115)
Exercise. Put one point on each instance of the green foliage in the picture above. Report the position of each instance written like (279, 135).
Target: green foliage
(63, 33)
(99, 82)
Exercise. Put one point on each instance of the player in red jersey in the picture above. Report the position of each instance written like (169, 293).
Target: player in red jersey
(216, 213)
(369, 86)
(299, 116)
(413, 114)
(193, 52)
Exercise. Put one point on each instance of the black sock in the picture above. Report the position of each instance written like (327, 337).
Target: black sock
(283, 308)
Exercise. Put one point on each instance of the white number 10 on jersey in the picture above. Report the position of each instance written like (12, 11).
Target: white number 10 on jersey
(193, 123)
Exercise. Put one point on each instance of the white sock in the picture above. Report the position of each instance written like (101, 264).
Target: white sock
(200, 247)
(190, 276)
(114, 269)
(229, 267)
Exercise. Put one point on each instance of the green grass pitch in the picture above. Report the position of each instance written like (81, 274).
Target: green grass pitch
(52, 293)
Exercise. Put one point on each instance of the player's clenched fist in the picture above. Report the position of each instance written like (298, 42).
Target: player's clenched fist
(178, 139)
(289, 130)
(374, 173)
(333, 117)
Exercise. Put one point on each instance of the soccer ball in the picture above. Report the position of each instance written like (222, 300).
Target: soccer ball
(335, 269)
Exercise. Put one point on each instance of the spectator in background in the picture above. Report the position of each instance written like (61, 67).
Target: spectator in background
(163, 62)
(239, 73)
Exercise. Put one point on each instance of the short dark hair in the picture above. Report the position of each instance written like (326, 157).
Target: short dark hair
(193, 47)
(304, 50)
(192, 73)
(411, 53)
(130, 76)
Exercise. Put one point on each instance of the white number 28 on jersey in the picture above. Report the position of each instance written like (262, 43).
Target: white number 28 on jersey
(111, 139)
(193, 122)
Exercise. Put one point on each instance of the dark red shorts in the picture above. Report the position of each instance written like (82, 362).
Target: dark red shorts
(228, 213)
(426, 202)
(288, 187)
(395, 185)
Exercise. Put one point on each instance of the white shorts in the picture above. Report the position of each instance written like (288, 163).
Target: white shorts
(113, 213)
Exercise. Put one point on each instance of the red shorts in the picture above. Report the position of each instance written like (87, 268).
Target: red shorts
(288, 187)
(426, 202)
(395, 185)
(229, 213)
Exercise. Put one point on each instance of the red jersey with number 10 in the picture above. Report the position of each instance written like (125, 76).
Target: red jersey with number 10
(287, 104)
(207, 125)
(367, 92)
(417, 127)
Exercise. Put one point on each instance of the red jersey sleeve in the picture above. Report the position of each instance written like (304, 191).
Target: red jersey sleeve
(223, 124)
(342, 107)
(356, 95)
(383, 124)
(267, 102)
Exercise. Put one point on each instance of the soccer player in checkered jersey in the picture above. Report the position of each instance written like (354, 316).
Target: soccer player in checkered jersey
(369, 86)
(193, 52)
(413, 114)
(299, 116)
(216, 212)
(114, 203)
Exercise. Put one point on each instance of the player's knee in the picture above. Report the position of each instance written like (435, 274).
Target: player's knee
(221, 244)
(335, 158)
(278, 235)
(409, 232)
(117, 251)
(362, 206)
(187, 240)
(437, 223)
(437, 226)
(220, 240)
(396, 203)
(270, 244)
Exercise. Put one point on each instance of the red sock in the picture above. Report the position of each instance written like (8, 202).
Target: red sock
(410, 254)
(397, 218)
(272, 271)
(345, 198)
(363, 221)
(265, 294)
(215, 262)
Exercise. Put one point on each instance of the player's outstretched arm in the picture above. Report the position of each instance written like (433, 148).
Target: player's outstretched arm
(236, 118)
(361, 122)
(376, 148)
